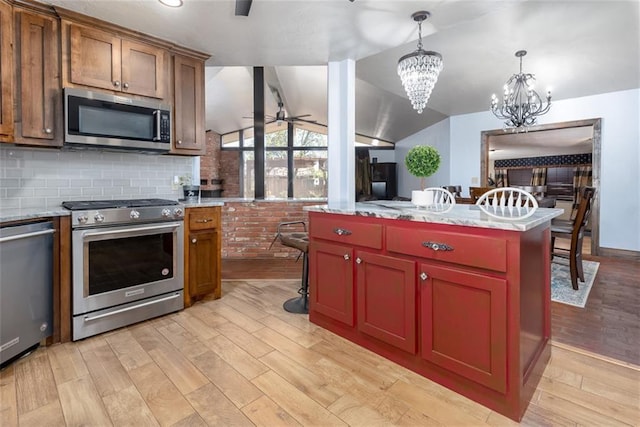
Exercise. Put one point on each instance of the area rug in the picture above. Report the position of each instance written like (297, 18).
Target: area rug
(561, 290)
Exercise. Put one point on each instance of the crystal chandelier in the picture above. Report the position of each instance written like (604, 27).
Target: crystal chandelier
(521, 104)
(419, 69)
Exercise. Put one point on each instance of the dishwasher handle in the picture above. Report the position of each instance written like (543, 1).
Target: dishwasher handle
(26, 235)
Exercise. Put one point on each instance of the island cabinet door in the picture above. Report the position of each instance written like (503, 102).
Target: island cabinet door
(464, 323)
(331, 285)
(386, 289)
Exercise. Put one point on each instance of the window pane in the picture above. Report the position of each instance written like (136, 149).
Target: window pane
(249, 174)
(309, 138)
(276, 138)
(275, 174)
(247, 137)
(310, 173)
(231, 140)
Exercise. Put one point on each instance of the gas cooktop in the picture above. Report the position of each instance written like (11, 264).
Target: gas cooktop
(79, 205)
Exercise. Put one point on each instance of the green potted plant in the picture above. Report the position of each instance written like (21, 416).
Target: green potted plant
(422, 161)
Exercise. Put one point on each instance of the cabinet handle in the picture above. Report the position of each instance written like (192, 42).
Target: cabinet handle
(424, 276)
(437, 246)
(116, 83)
(347, 257)
(179, 142)
(200, 221)
(342, 232)
(48, 131)
(358, 260)
(194, 240)
(125, 85)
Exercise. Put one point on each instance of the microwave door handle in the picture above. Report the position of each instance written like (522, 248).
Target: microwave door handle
(156, 116)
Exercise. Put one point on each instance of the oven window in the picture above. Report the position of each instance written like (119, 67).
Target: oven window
(121, 263)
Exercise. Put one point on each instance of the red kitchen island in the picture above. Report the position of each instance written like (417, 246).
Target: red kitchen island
(458, 297)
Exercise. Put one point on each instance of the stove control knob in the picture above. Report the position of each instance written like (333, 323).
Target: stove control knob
(166, 213)
(134, 214)
(82, 219)
(98, 217)
(178, 212)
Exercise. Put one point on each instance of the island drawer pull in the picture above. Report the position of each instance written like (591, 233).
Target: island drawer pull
(342, 232)
(437, 246)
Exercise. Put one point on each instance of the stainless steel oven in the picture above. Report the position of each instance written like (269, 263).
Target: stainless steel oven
(128, 262)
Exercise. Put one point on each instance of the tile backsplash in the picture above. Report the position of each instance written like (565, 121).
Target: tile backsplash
(34, 177)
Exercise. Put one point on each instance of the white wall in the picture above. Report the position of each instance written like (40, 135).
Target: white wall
(382, 156)
(35, 177)
(437, 136)
(620, 159)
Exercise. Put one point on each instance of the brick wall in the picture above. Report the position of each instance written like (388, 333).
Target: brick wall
(229, 172)
(210, 162)
(248, 228)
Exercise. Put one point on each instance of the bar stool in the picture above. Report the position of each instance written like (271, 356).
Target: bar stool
(298, 240)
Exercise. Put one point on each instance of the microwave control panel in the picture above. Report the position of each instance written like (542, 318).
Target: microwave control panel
(165, 126)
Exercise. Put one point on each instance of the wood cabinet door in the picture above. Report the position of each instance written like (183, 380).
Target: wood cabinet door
(143, 69)
(188, 107)
(463, 320)
(95, 58)
(331, 284)
(387, 299)
(204, 268)
(40, 120)
(6, 72)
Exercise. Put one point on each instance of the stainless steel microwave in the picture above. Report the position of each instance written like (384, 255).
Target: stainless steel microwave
(100, 120)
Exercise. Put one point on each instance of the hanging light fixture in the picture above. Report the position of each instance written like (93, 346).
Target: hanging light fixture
(419, 69)
(521, 104)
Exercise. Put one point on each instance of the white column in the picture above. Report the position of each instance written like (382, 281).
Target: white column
(341, 95)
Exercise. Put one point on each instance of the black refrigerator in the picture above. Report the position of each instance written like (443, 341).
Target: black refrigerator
(384, 185)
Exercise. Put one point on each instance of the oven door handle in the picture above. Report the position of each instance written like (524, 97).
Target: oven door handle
(171, 226)
(135, 307)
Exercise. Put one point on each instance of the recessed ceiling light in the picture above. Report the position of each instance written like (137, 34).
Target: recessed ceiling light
(171, 3)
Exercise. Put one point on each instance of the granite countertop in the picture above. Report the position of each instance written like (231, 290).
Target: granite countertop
(19, 214)
(465, 215)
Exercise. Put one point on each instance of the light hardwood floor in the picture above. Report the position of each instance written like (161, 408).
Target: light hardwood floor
(242, 360)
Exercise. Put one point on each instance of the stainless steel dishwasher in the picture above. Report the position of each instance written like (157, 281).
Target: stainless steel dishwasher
(26, 287)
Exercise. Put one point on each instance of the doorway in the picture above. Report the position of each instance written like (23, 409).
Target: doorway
(549, 140)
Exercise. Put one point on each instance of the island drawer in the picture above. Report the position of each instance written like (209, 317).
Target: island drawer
(465, 249)
(347, 231)
(203, 218)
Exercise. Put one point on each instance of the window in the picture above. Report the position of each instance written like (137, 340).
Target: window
(295, 158)
(293, 167)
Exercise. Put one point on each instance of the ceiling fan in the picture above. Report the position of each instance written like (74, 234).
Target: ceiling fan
(281, 116)
(243, 7)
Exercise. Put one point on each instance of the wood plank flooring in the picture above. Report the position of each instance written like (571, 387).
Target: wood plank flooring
(242, 360)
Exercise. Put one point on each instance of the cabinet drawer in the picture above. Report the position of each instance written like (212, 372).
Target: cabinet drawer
(203, 218)
(347, 232)
(458, 248)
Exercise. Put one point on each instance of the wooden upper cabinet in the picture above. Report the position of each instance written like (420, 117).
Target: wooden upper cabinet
(143, 69)
(102, 60)
(39, 114)
(6, 72)
(188, 107)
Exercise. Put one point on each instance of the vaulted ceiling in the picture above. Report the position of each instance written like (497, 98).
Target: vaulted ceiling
(578, 48)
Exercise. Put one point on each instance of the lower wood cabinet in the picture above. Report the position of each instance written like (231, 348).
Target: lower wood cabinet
(202, 252)
(332, 265)
(386, 299)
(466, 307)
(463, 318)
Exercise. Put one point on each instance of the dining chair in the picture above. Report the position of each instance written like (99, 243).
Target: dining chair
(456, 190)
(573, 230)
(476, 192)
(507, 203)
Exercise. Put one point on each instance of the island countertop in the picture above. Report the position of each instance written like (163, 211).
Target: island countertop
(464, 215)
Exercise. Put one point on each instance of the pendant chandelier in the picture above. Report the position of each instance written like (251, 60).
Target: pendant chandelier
(521, 104)
(419, 69)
